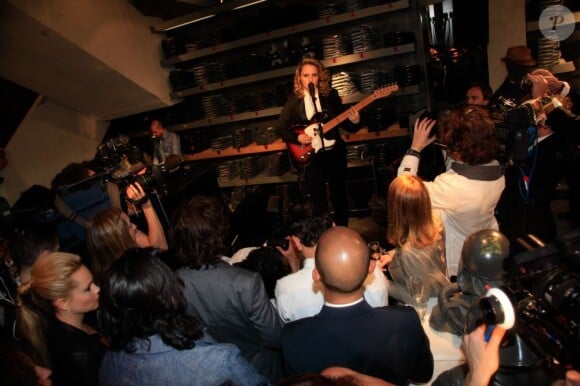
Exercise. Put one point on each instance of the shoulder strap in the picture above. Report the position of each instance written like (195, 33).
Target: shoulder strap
(479, 172)
(67, 212)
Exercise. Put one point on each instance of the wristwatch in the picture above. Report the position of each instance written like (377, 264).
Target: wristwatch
(413, 152)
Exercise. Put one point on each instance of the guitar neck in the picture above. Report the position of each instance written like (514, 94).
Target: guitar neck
(342, 116)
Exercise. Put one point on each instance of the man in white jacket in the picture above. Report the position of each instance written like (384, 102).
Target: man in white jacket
(465, 196)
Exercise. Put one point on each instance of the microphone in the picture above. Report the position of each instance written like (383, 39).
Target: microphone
(311, 89)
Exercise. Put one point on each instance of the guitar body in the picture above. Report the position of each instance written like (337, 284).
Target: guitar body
(302, 154)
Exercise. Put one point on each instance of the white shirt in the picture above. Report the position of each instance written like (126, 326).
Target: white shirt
(298, 296)
(465, 206)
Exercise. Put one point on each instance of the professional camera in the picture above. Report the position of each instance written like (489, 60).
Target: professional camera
(124, 163)
(110, 153)
(541, 300)
(126, 177)
(516, 126)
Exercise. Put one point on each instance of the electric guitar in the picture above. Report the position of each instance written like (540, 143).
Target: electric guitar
(302, 154)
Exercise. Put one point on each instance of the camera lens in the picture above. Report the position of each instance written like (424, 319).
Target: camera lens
(491, 310)
(146, 182)
(562, 292)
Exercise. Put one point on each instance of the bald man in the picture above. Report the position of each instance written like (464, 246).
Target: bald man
(384, 342)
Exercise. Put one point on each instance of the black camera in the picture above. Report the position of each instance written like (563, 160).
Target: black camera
(124, 163)
(124, 178)
(541, 300)
(516, 126)
(110, 153)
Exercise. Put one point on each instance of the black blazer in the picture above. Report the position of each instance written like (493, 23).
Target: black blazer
(386, 342)
(294, 113)
(76, 356)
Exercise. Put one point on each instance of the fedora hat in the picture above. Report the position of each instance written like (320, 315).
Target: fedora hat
(521, 55)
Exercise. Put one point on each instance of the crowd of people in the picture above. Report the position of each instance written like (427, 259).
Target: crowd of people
(152, 304)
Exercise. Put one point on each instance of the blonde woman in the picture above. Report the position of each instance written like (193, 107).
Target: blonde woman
(417, 237)
(50, 318)
(313, 93)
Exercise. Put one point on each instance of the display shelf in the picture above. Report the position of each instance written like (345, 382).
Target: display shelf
(362, 135)
(287, 31)
(272, 111)
(258, 180)
(532, 26)
(329, 63)
(286, 177)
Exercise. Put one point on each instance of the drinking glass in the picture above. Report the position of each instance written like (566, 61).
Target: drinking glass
(375, 248)
(416, 287)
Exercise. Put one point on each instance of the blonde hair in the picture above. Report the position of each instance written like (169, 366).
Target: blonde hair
(323, 77)
(410, 218)
(50, 279)
(108, 237)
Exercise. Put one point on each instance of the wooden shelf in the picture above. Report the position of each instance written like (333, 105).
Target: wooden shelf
(272, 111)
(287, 31)
(286, 71)
(362, 135)
(258, 180)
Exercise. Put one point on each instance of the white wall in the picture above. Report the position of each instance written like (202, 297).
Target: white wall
(49, 137)
(507, 28)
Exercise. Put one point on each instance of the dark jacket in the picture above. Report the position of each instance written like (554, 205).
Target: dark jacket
(294, 113)
(75, 355)
(386, 342)
(233, 304)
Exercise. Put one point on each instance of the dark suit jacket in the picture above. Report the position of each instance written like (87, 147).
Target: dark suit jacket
(75, 355)
(386, 342)
(233, 304)
(519, 215)
(294, 113)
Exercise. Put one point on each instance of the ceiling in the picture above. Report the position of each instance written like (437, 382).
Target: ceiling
(67, 51)
(46, 56)
(169, 9)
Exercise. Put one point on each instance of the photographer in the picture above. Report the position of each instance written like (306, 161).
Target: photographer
(524, 81)
(464, 196)
(79, 193)
(482, 356)
(525, 204)
(483, 361)
(110, 232)
(537, 163)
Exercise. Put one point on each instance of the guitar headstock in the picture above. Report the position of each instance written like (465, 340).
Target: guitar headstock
(386, 91)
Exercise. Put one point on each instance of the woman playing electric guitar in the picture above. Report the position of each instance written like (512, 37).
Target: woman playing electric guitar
(313, 97)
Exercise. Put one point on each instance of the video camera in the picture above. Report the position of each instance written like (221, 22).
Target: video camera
(123, 162)
(541, 300)
(516, 126)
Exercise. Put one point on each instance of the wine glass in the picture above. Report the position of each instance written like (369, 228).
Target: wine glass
(375, 248)
(416, 288)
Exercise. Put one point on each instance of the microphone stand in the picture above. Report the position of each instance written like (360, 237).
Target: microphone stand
(318, 120)
(318, 116)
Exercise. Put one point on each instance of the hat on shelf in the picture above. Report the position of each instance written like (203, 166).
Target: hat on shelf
(521, 55)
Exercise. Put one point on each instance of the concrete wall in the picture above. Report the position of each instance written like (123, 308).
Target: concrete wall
(50, 137)
(112, 31)
(507, 28)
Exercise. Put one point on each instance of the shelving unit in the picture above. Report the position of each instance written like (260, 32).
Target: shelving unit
(532, 26)
(287, 31)
(329, 63)
(273, 111)
(362, 135)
